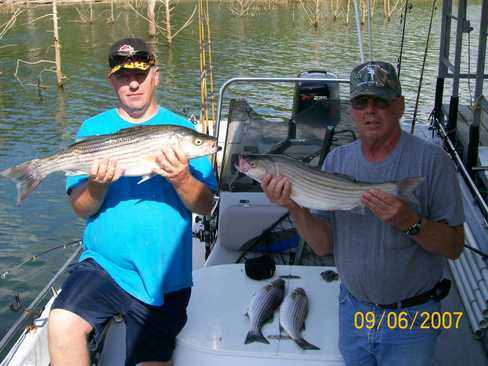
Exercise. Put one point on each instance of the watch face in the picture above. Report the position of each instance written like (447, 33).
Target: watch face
(414, 230)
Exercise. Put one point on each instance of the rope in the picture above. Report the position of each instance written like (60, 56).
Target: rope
(423, 68)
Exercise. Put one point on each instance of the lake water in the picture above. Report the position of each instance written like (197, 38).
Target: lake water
(36, 122)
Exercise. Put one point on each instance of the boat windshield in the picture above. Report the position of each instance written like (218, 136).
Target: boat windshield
(300, 124)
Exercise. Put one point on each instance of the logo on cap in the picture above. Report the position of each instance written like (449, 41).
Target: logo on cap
(127, 48)
(375, 78)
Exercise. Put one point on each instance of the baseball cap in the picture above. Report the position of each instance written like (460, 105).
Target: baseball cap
(376, 78)
(130, 53)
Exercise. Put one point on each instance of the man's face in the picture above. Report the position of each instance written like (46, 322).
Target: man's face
(377, 119)
(135, 89)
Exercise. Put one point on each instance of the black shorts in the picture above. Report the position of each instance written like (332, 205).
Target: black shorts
(91, 293)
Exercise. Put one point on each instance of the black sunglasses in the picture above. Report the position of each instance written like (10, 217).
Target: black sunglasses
(142, 56)
(362, 102)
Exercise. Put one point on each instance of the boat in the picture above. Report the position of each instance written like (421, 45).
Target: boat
(246, 226)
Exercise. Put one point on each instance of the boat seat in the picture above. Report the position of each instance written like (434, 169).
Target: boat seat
(240, 223)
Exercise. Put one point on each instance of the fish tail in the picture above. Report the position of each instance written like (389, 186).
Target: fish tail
(407, 186)
(27, 177)
(303, 344)
(255, 336)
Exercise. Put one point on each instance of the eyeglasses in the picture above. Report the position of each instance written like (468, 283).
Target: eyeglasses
(125, 76)
(362, 102)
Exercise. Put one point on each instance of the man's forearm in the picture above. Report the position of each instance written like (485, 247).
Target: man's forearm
(441, 239)
(316, 232)
(196, 196)
(87, 199)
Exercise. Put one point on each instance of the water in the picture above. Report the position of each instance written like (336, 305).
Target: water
(35, 122)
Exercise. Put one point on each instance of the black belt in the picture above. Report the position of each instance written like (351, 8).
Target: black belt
(440, 291)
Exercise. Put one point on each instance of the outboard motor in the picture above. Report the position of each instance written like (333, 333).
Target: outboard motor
(317, 101)
(316, 104)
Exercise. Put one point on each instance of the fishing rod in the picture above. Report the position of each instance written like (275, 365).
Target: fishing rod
(412, 129)
(34, 257)
(404, 19)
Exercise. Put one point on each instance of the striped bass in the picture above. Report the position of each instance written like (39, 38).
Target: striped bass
(293, 312)
(261, 308)
(135, 150)
(316, 189)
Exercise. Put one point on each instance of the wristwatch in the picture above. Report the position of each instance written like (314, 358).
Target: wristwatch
(414, 229)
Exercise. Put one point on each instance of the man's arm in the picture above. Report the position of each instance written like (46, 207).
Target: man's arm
(173, 165)
(316, 232)
(436, 237)
(87, 199)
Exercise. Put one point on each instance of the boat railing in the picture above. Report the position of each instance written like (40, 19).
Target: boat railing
(24, 319)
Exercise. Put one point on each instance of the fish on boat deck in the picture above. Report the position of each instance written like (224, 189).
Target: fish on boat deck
(316, 189)
(135, 150)
(293, 313)
(261, 308)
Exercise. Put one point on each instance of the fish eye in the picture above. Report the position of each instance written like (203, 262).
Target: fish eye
(198, 141)
(252, 164)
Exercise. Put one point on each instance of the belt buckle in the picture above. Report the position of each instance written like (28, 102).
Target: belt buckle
(389, 306)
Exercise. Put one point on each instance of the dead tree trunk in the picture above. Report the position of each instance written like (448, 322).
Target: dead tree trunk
(167, 11)
(151, 4)
(57, 47)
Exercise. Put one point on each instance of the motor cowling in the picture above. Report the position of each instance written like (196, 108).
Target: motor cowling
(317, 101)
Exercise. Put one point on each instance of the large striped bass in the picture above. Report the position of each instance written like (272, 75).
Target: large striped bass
(263, 304)
(293, 312)
(135, 150)
(316, 189)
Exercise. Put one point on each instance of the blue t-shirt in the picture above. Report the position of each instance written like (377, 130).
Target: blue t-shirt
(142, 233)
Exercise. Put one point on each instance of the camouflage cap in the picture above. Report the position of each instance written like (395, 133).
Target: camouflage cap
(375, 78)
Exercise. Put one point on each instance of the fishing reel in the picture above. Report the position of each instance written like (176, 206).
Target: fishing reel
(206, 232)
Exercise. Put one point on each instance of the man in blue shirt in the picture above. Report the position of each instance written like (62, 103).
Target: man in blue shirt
(137, 252)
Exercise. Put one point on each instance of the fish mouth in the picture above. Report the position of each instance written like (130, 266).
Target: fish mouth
(242, 166)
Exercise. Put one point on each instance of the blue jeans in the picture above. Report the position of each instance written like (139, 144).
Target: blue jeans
(372, 336)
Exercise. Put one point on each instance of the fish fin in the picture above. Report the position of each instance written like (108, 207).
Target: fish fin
(407, 186)
(27, 177)
(282, 329)
(255, 336)
(303, 344)
(146, 177)
(303, 326)
(70, 173)
(149, 158)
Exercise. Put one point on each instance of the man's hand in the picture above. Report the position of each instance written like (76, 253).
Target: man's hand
(104, 172)
(173, 165)
(278, 190)
(87, 199)
(390, 209)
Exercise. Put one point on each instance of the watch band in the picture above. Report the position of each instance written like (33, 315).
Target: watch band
(414, 229)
